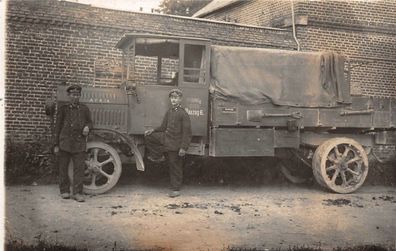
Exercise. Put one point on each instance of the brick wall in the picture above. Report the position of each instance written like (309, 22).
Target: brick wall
(146, 69)
(252, 12)
(274, 10)
(373, 71)
(49, 42)
(380, 13)
(366, 14)
(365, 31)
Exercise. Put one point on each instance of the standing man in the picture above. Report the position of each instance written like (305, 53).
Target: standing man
(73, 123)
(172, 138)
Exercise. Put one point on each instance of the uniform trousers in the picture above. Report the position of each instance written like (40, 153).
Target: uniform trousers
(78, 171)
(155, 144)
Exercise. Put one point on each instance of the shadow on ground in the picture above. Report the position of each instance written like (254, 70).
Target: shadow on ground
(239, 172)
(225, 171)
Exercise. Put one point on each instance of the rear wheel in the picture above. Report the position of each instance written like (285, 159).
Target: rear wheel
(103, 168)
(340, 164)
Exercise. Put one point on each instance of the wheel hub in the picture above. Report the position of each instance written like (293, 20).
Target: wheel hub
(93, 167)
(343, 166)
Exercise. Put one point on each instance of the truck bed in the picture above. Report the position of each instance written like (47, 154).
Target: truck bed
(363, 112)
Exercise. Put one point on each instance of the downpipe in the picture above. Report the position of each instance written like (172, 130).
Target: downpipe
(294, 26)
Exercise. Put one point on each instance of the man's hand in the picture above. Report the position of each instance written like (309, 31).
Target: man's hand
(85, 131)
(56, 149)
(148, 132)
(182, 152)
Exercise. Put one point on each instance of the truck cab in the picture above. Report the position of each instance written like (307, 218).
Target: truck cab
(155, 64)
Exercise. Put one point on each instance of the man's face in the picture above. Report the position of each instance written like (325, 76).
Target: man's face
(74, 97)
(175, 99)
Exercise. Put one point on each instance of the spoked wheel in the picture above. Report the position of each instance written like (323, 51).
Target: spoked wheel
(340, 164)
(103, 168)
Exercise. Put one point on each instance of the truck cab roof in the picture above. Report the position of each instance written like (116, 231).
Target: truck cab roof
(145, 38)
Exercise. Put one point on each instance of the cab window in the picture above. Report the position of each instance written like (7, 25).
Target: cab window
(156, 61)
(194, 69)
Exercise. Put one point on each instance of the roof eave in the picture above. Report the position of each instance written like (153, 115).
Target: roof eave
(210, 11)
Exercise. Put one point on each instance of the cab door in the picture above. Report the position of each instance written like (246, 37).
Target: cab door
(151, 65)
(164, 67)
(194, 82)
(192, 78)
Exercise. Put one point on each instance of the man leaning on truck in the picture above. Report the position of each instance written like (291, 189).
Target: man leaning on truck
(172, 138)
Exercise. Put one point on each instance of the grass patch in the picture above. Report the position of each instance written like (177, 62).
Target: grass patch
(25, 162)
(41, 246)
(46, 246)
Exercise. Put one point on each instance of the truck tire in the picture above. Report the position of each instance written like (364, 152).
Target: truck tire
(317, 173)
(103, 168)
(340, 165)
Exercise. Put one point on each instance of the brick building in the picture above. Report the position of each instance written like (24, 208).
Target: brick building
(362, 30)
(49, 42)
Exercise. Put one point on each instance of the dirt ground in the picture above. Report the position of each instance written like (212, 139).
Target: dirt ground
(138, 215)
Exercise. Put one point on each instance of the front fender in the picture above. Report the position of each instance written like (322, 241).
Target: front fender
(131, 142)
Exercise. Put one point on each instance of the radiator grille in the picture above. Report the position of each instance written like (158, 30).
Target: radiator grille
(113, 117)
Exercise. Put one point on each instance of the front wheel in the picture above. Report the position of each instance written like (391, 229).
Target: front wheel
(103, 168)
(340, 164)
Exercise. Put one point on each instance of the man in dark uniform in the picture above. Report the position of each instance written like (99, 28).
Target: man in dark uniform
(73, 123)
(172, 138)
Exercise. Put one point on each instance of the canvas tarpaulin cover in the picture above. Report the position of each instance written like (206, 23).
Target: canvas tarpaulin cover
(256, 76)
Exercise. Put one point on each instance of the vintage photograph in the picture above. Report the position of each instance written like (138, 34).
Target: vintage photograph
(199, 125)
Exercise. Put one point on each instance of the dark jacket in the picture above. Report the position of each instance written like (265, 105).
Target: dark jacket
(176, 126)
(70, 122)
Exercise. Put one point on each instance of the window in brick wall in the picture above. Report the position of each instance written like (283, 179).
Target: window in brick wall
(156, 70)
(156, 61)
